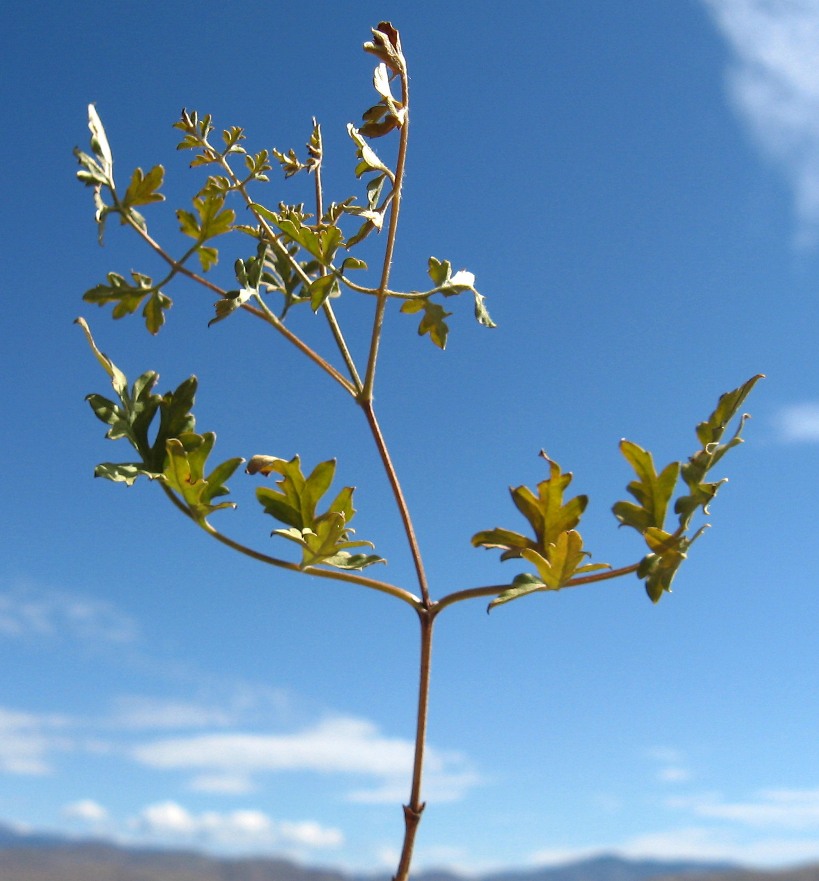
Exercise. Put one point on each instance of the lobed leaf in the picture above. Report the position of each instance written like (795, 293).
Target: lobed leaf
(547, 512)
(184, 473)
(432, 321)
(710, 434)
(324, 538)
(651, 490)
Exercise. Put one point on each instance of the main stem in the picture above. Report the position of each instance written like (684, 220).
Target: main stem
(415, 807)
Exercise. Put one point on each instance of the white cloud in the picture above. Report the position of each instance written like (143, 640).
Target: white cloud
(26, 741)
(27, 611)
(799, 423)
(339, 745)
(85, 810)
(774, 85)
(153, 713)
(169, 821)
(784, 808)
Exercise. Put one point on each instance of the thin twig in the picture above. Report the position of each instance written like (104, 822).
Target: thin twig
(395, 207)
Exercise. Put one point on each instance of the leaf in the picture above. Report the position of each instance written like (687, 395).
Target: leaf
(118, 380)
(449, 284)
(126, 472)
(129, 297)
(320, 290)
(652, 491)
(659, 567)
(144, 188)
(99, 143)
(322, 242)
(184, 473)
(211, 219)
(564, 560)
(97, 171)
(432, 321)
(324, 538)
(710, 434)
(368, 158)
(386, 45)
(546, 511)
(131, 416)
(522, 585)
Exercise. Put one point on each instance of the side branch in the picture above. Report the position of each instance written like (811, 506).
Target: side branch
(335, 575)
(494, 589)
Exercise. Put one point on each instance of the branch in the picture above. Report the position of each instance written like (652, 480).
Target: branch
(335, 575)
(494, 589)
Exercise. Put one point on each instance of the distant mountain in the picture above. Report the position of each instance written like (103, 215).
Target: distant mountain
(41, 857)
(608, 867)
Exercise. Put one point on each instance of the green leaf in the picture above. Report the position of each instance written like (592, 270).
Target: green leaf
(127, 298)
(547, 512)
(321, 242)
(124, 472)
(368, 158)
(211, 219)
(131, 416)
(432, 321)
(563, 562)
(522, 585)
(450, 285)
(710, 434)
(659, 567)
(144, 188)
(118, 380)
(184, 473)
(652, 491)
(324, 538)
(321, 289)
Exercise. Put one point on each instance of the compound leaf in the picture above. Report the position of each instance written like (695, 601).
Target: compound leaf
(324, 538)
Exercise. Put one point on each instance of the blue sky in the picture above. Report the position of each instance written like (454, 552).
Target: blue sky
(636, 188)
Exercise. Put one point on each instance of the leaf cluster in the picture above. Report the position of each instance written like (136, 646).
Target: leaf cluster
(176, 456)
(556, 550)
(324, 538)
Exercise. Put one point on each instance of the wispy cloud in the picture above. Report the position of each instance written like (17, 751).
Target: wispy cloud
(774, 84)
(799, 423)
(783, 808)
(338, 745)
(137, 712)
(671, 767)
(27, 741)
(28, 611)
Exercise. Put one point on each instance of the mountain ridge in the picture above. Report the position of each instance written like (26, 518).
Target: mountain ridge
(50, 857)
